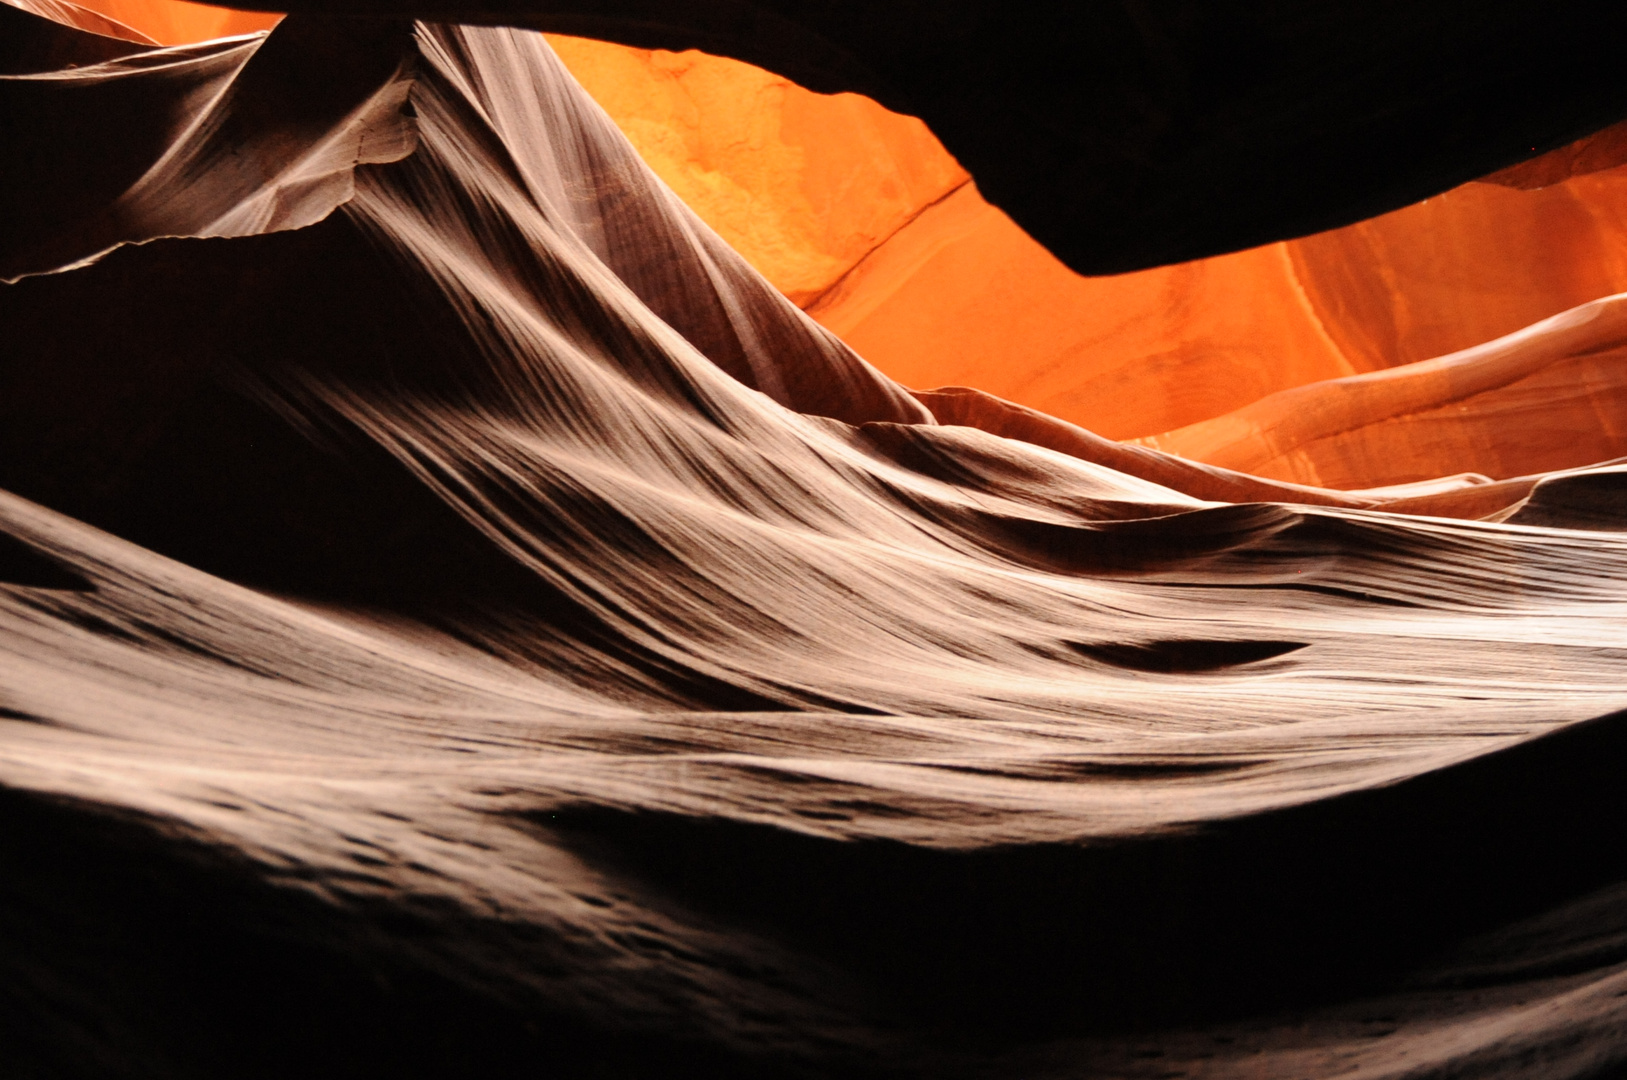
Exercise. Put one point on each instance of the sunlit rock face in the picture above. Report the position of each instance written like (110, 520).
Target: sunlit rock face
(889, 249)
(804, 185)
(955, 293)
(1550, 396)
(171, 22)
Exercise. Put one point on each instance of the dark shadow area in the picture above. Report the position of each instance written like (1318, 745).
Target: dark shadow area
(126, 410)
(1588, 500)
(20, 564)
(125, 953)
(1324, 902)
(1178, 656)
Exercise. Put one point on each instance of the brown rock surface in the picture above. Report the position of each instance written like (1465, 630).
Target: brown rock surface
(1593, 153)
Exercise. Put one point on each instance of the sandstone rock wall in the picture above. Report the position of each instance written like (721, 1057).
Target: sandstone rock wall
(862, 218)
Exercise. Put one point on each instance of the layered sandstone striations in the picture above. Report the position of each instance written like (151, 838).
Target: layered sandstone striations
(1551, 396)
(467, 622)
(963, 297)
(803, 185)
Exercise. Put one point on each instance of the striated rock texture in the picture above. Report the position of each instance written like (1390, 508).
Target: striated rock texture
(962, 296)
(458, 619)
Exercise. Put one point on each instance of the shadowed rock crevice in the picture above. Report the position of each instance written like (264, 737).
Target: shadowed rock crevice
(129, 952)
(1174, 656)
(21, 564)
(1322, 902)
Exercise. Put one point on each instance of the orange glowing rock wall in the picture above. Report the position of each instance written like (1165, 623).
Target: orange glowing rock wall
(804, 185)
(1551, 396)
(964, 297)
(176, 22)
(861, 217)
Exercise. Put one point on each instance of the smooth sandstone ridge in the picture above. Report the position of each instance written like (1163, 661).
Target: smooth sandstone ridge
(803, 185)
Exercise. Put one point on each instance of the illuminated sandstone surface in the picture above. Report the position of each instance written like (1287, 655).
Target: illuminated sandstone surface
(960, 296)
(803, 185)
(1551, 396)
(98, 23)
(458, 619)
(172, 22)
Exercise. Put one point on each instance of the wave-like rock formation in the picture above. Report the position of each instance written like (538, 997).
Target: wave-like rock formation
(804, 185)
(458, 619)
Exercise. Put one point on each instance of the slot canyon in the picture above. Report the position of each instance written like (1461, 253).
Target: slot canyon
(758, 538)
